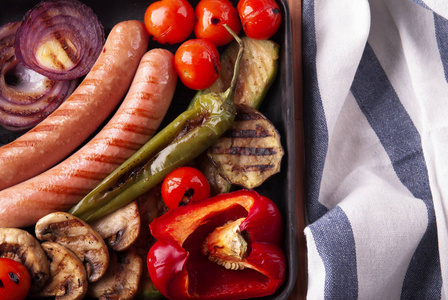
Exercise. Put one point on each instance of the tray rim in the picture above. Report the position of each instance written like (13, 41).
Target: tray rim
(290, 230)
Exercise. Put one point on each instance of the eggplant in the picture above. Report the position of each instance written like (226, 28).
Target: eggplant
(250, 152)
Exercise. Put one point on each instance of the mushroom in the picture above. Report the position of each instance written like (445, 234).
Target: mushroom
(121, 228)
(79, 237)
(21, 246)
(68, 275)
(122, 278)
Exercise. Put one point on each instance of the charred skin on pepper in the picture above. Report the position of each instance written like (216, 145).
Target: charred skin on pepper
(185, 138)
(202, 242)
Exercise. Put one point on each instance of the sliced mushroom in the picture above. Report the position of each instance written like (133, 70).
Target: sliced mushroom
(79, 237)
(150, 206)
(68, 276)
(21, 246)
(121, 228)
(122, 278)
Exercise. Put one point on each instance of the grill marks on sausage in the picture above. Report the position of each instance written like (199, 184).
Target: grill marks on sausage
(117, 125)
(20, 144)
(64, 113)
(83, 174)
(106, 159)
(144, 96)
(76, 189)
(58, 189)
(132, 128)
(143, 113)
(91, 82)
(121, 143)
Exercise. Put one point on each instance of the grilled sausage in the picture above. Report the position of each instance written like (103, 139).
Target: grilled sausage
(82, 113)
(133, 124)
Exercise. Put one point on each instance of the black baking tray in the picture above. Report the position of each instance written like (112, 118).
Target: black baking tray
(278, 106)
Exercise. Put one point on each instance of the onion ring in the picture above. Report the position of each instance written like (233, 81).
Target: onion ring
(60, 39)
(26, 97)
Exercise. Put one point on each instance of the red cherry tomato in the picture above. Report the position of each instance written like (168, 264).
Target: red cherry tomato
(211, 15)
(197, 63)
(169, 21)
(183, 185)
(260, 18)
(15, 280)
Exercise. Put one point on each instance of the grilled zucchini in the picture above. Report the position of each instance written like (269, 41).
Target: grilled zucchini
(258, 71)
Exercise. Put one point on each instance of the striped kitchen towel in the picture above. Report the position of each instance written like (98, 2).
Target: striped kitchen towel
(376, 139)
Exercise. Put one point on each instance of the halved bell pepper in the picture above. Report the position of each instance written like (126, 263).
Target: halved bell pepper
(224, 247)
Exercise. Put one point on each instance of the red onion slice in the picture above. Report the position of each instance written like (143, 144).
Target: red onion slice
(17, 123)
(20, 84)
(60, 39)
(26, 97)
(8, 31)
(20, 121)
(48, 102)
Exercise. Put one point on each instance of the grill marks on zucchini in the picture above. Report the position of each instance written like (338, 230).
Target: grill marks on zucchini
(258, 71)
(250, 152)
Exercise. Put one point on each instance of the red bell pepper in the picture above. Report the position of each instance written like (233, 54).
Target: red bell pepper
(225, 247)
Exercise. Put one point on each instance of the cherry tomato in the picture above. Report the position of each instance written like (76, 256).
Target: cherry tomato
(15, 280)
(183, 185)
(197, 63)
(169, 21)
(260, 18)
(211, 15)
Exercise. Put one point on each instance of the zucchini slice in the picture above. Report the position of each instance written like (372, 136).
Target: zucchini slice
(258, 71)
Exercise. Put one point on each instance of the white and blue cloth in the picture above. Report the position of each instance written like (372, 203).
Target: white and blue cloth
(375, 77)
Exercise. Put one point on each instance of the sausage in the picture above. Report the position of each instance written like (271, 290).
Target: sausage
(135, 121)
(82, 113)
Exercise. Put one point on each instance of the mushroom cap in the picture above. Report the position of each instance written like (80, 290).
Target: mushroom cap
(121, 228)
(68, 276)
(21, 246)
(122, 278)
(75, 234)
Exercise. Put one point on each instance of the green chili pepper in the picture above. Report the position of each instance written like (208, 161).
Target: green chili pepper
(190, 134)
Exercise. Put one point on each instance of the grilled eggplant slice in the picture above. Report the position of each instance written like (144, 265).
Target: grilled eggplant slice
(218, 184)
(258, 71)
(250, 152)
